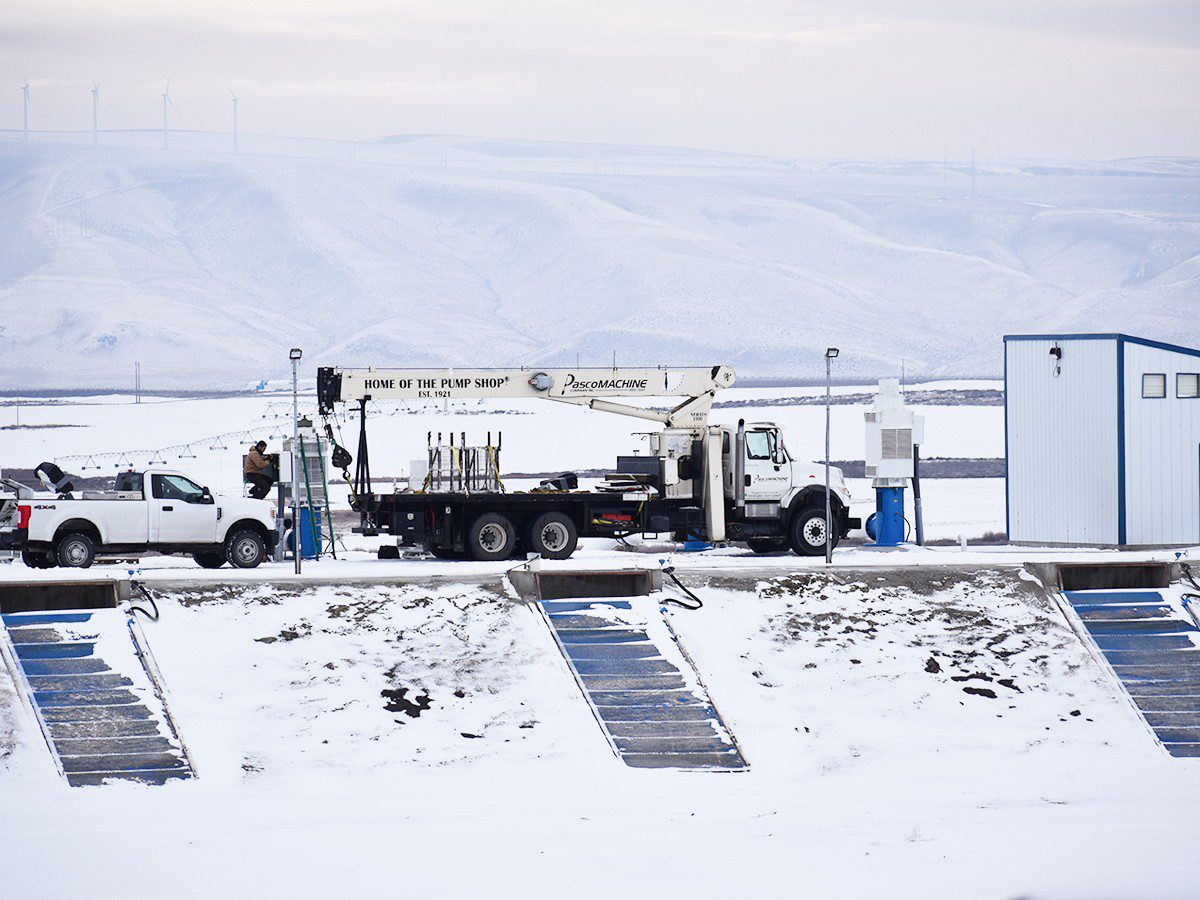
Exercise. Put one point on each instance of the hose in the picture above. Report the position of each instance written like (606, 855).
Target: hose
(1187, 573)
(145, 612)
(669, 571)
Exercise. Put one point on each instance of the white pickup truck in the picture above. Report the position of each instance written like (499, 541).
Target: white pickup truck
(152, 509)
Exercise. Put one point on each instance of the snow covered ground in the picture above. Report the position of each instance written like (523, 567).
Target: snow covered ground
(206, 267)
(911, 733)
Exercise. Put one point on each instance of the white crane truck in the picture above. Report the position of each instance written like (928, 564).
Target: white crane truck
(154, 509)
(711, 482)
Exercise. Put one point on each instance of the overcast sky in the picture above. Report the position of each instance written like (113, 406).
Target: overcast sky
(813, 78)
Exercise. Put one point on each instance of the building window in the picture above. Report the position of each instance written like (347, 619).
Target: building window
(1187, 385)
(1154, 385)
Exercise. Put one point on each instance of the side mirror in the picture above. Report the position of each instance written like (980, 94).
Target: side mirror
(206, 496)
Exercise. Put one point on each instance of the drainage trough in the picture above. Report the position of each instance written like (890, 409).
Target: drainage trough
(632, 669)
(36, 596)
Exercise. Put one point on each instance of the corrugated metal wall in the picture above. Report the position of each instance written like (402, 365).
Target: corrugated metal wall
(1062, 441)
(1162, 452)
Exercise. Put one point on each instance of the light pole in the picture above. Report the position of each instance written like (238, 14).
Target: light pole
(297, 552)
(830, 354)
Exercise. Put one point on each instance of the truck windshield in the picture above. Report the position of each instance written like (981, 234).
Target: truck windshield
(175, 487)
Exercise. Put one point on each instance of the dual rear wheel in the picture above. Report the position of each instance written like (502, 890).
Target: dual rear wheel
(492, 536)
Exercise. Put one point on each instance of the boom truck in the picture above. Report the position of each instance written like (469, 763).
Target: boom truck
(711, 482)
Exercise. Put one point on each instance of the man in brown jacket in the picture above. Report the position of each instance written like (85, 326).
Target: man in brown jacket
(259, 471)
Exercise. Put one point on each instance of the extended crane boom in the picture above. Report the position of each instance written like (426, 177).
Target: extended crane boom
(581, 387)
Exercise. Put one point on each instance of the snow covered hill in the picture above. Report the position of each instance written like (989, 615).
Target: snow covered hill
(206, 267)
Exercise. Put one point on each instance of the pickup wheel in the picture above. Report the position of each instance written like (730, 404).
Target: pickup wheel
(245, 549)
(807, 535)
(767, 545)
(36, 560)
(210, 559)
(491, 537)
(75, 550)
(553, 536)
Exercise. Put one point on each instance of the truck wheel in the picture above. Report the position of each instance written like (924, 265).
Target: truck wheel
(553, 535)
(210, 559)
(75, 550)
(36, 560)
(767, 545)
(808, 533)
(491, 537)
(245, 549)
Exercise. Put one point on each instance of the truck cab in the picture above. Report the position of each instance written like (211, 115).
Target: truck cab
(780, 501)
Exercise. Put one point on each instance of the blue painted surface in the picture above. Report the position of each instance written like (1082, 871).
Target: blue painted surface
(653, 718)
(1121, 530)
(885, 526)
(75, 666)
(72, 650)
(1142, 641)
(310, 536)
(1093, 598)
(1153, 655)
(1109, 336)
(642, 650)
(44, 618)
(1007, 496)
(554, 607)
(99, 729)
(1141, 626)
(600, 636)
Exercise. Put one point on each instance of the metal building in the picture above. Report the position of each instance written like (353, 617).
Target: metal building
(1102, 439)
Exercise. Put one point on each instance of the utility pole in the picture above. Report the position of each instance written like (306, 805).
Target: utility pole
(137, 382)
(945, 171)
(166, 98)
(95, 113)
(830, 354)
(235, 131)
(25, 109)
(297, 539)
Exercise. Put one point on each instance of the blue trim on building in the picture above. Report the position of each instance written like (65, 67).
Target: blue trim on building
(1007, 460)
(1121, 531)
(1062, 337)
(1110, 336)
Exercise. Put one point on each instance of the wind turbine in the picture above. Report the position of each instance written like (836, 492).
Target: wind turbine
(166, 97)
(25, 97)
(95, 113)
(235, 135)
